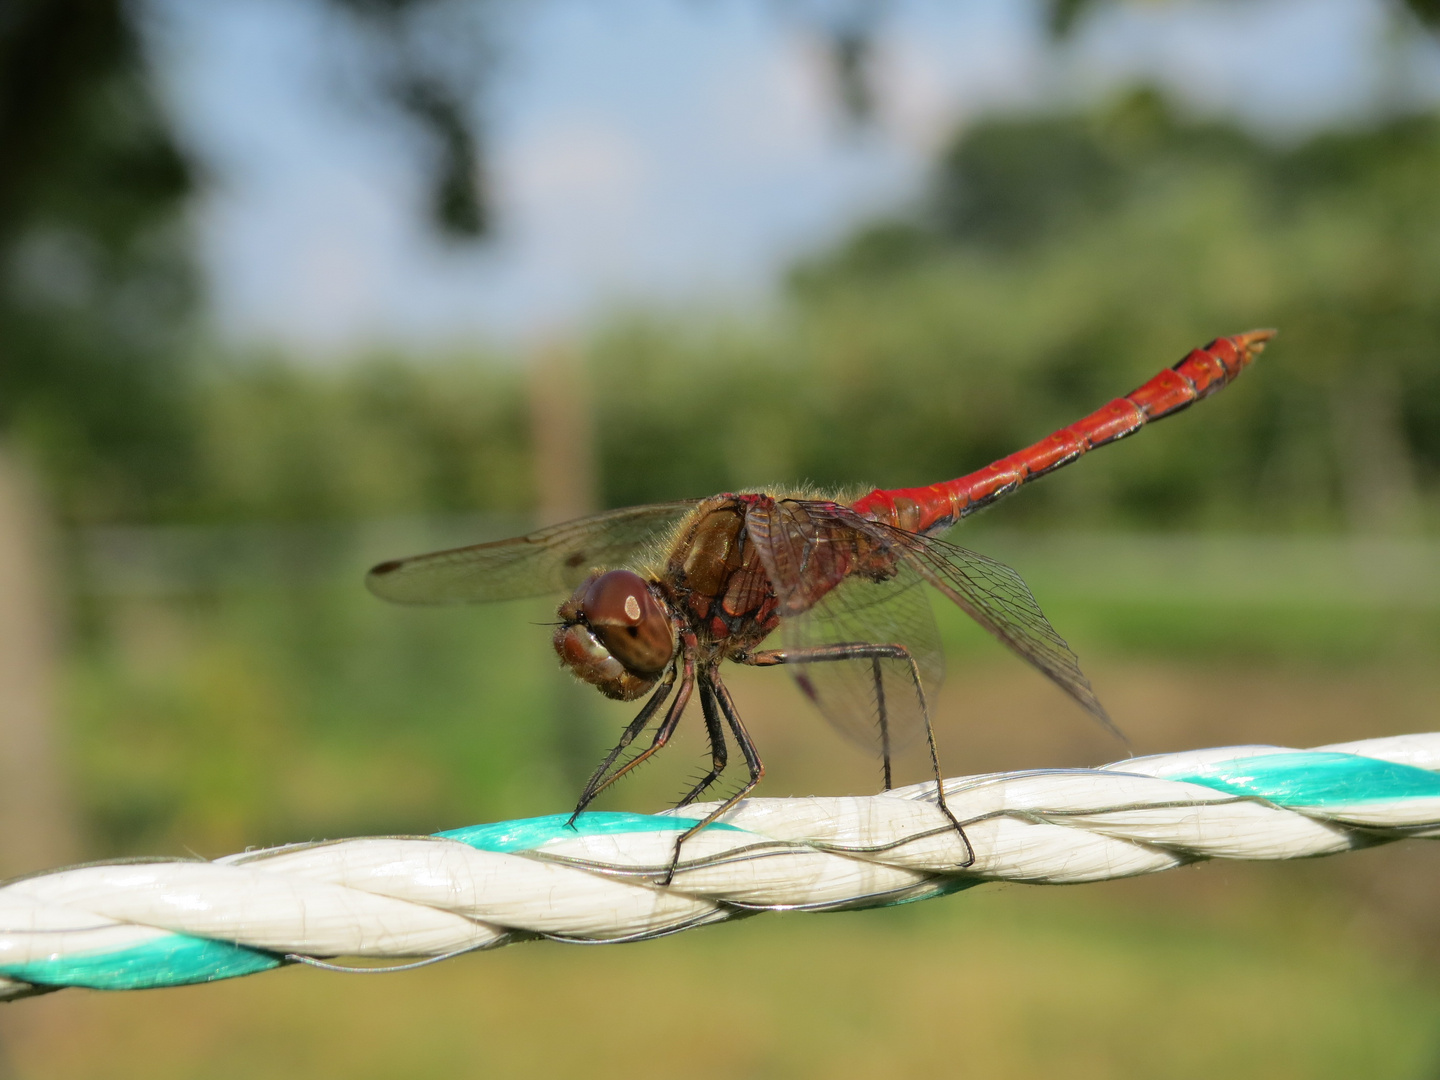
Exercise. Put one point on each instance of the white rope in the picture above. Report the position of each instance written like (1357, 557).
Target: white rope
(163, 922)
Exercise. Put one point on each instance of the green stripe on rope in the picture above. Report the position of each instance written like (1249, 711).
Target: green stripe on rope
(1299, 779)
(1315, 779)
(177, 960)
(529, 833)
(180, 959)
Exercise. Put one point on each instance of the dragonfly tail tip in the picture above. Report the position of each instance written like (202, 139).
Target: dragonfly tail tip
(1253, 341)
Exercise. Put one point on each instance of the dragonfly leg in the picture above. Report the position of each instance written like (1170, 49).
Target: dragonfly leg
(718, 751)
(752, 760)
(883, 716)
(599, 782)
(875, 653)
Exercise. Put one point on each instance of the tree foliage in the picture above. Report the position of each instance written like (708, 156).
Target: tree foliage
(1058, 261)
(95, 278)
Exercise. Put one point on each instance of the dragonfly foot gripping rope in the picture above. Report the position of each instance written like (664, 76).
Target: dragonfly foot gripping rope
(136, 924)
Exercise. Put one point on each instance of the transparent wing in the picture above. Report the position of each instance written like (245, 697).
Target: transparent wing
(811, 547)
(997, 598)
(555, 559)
(852, 693)
(840, 582)
(807, 548)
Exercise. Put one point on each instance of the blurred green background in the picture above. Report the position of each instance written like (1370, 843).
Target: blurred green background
(1265, 569)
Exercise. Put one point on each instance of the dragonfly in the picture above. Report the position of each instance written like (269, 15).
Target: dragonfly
(662, 595)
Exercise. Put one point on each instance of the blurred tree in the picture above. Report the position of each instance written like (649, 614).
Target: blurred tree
(94, 273)
(97, 282)
(1064, 15)
(1045, 241)
(430, 58)
(380, 437)
(1069, 245)
(1011, 184)
(1427, 11)
(847, 32)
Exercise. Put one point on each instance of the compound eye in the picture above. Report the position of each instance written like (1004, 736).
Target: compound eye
(629, 620)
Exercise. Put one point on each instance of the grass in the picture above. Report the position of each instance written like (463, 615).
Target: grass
(230, 713)
(213, 718)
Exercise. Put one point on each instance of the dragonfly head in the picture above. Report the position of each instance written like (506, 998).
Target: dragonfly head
(617, 633)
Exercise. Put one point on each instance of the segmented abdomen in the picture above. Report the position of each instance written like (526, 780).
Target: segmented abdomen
(1200, 374)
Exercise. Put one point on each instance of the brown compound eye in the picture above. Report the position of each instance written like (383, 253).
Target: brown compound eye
(629, 621)
(616, 634)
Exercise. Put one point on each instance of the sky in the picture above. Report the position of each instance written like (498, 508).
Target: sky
(671, 153)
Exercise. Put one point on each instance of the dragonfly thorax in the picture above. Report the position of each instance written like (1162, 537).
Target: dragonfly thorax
(715, 577)
(616, 633)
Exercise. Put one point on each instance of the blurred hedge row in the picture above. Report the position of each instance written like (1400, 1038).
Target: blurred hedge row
(1056, 262)
(236, 685)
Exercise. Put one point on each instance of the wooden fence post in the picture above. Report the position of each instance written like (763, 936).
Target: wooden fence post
(37, 821)
(562, 441)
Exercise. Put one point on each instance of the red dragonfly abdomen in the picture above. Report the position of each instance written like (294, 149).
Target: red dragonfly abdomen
(938, 506)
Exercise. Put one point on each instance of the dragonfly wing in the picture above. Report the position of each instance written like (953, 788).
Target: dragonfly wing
(809, 549)
(805, 548)
(997, 598)
(850, 693)
(550, 560)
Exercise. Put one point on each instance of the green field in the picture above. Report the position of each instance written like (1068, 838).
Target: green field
(1264, 569)
(209, 715)
(215, 710)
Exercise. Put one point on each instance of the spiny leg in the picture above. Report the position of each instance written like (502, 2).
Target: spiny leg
(876, 653)
(597, 778)
(662, 735)
(752, 760)
(664, 731)
(940, 799)
(716, 733)
(884, 717)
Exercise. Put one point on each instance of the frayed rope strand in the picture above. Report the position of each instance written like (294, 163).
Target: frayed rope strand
(136, 924)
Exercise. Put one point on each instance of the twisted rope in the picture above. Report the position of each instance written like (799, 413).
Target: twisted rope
(166, 922)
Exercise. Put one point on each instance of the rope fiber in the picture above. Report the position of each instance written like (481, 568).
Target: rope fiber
(135, 924)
